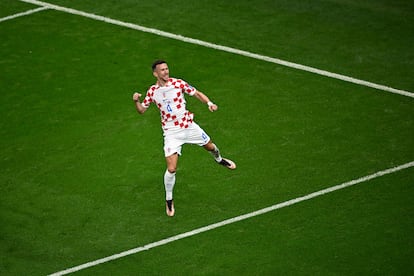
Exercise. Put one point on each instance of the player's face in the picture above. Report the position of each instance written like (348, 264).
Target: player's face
(161, 72)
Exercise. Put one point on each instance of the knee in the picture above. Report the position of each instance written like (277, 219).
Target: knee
(209, 146)
(172, 163)
(172, 169)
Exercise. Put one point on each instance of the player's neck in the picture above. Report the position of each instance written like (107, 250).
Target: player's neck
(161, 82)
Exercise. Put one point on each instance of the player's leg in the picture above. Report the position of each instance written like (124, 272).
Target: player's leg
(169, 176)
(169, 182)
(172, 149)
(213, 149)
(215, 152)
(196, 135)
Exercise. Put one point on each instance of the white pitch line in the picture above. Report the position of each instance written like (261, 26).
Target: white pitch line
(23, 13)
(233, 220)
(224, 48)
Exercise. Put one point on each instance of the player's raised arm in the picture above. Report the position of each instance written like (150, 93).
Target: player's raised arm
(141, 109)
(204, 99)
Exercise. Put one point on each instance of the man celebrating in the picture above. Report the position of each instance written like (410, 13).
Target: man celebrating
(177, 123)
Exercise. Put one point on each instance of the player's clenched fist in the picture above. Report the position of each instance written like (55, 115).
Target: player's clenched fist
(212, 106)
(136, 97)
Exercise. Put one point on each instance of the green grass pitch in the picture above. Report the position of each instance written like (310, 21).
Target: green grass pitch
(81, 171)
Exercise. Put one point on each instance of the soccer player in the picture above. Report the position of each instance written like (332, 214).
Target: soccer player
(177, 123)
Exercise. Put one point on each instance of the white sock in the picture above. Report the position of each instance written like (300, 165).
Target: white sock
(216, 153)
(169, 182)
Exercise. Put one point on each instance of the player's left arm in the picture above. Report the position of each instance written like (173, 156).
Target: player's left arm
(204, 99)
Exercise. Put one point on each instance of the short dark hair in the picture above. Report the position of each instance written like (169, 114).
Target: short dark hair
(157, 62)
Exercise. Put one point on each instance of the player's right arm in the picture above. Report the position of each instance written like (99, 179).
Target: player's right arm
(140, 108)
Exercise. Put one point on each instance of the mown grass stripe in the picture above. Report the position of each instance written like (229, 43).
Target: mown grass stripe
(225, 49)
(235, 219)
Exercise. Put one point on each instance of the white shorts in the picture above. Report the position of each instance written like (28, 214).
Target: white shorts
(174, 139)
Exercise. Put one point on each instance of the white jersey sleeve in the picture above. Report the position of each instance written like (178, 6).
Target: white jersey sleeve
(149, 97)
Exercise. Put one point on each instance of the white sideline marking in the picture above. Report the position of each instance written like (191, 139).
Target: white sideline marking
(23, 13)
(224, 48)
(233, 220)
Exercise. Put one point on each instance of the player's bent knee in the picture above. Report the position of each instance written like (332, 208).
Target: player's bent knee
(209, 146)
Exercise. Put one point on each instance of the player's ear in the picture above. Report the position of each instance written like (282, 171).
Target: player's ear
(154, 73)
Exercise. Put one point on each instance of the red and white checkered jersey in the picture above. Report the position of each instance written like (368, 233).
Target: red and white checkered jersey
(171, 103)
